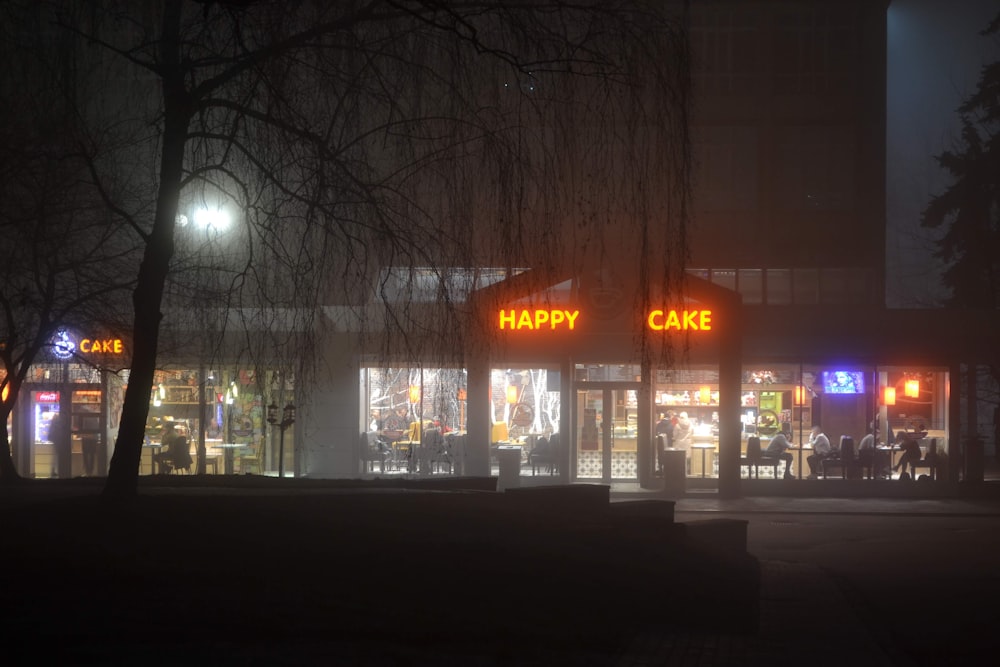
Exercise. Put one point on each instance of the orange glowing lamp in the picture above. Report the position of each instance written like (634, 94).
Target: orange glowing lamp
(512, 394)
(800, 395)
(888, 396)
(911, 389)
(705, 394)
(414, 393)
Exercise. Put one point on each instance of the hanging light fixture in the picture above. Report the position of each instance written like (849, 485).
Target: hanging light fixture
(888, 396)
(512, 394)
(911, 388)
(800, 395)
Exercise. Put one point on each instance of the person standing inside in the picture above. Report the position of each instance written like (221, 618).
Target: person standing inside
(62, 446)
(683, 435)
(821, 450)
(778, 449)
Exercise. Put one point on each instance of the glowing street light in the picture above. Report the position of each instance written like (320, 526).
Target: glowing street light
(217, 220)
(207, 219)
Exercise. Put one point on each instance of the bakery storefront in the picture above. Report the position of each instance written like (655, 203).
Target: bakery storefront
(77, 389)
(565, 397)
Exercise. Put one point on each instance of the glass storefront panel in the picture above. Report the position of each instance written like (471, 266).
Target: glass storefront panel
(525, 408)
(913, 419)
(607, 434)
(686, 416)
(230, 410)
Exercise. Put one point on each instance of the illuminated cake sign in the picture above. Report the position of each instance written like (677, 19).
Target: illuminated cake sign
(103, 346)
(680, 320)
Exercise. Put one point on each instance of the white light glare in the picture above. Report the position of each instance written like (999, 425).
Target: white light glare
(217, 220)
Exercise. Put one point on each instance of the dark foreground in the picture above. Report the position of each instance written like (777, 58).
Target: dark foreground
(360, 577)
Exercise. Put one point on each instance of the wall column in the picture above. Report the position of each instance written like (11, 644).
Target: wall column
(478, 426)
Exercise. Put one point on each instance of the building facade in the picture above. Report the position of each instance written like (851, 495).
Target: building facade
(780, 326)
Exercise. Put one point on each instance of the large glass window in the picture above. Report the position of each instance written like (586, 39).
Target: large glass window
(686, 417)
(525, 408)
(414, 420)
(231, 414)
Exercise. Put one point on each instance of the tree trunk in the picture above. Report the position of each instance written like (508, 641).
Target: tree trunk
(123, 474)
(8, 473)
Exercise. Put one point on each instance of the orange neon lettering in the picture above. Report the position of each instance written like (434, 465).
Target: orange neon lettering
(683, 320)
(538, 319)
(107, 346)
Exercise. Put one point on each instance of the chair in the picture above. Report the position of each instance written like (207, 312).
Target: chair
(456, 449)
(499, 433)
(930, 461)
(435, 450)
(845, 459)
(540, 455)
(180, 456)
(212, 461)
(255, 459)
(661, 450)
(755, 458)
(553, 459)
(370, 452)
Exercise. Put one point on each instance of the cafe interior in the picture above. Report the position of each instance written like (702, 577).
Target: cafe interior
(417, 418)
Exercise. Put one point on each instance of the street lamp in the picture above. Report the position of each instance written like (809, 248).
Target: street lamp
(287, 419)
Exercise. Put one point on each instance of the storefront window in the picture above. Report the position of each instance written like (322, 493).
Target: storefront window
(415, 420)
(914, 400)
(525, 407)
(230, 415)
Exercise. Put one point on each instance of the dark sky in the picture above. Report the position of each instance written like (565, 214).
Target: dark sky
(934, 56)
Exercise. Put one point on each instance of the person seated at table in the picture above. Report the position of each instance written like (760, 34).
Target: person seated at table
(778, 449)
(822, 449)
(176, 451)
(396, 422)
(869, 455)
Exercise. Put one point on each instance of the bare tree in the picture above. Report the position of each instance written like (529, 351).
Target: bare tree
(370, 145)
(63, 261)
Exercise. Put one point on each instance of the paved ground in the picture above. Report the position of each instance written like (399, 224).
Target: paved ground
(808, 550)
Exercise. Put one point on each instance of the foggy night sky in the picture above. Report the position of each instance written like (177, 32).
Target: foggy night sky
(934, 56)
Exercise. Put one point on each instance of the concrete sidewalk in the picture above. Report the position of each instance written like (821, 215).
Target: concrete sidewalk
(711, 504)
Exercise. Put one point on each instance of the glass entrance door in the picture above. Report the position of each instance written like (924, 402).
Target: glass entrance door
(606, 434)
